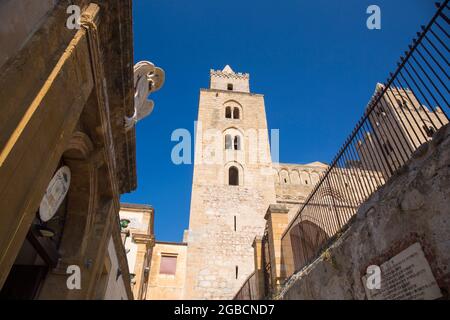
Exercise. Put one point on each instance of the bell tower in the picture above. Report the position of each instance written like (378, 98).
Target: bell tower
(232, 188)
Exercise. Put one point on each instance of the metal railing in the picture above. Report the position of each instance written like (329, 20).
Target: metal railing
(248, 291)
(403, 113)
(266, 266)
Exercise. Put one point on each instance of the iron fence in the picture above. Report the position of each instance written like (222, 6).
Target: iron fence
(248, 291)
(403, 113)
(266, 266)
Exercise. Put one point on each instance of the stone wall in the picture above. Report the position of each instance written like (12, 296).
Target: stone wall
(224, 219)
(115, 289)
(411, 208)
(167, 286)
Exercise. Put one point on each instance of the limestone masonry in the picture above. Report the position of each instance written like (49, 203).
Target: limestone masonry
(230, 197)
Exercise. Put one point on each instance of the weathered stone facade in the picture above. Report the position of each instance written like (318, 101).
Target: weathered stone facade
(412, 207)
(65, 94)
(225, 218)
(138, 237)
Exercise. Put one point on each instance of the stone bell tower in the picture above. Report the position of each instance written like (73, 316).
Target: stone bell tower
(232, 186)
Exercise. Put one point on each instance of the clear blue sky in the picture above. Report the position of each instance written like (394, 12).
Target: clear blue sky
(315, 61)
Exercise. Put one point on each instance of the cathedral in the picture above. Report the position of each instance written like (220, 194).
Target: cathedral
(71, 94)
(233, 185)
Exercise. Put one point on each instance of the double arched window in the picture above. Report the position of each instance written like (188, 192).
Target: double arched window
(232, 142)
(232, 113)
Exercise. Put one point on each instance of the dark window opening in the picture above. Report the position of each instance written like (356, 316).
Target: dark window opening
(237, 143)
(285, 180)
(230, 86)
(402, 103)
(228, 142)
(236, 113)
(235, 223)
(237, 272)
(228, 112)
(306, 181)
(233, 176)
(429, 131)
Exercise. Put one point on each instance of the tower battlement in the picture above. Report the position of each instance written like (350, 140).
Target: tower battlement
(227, 79)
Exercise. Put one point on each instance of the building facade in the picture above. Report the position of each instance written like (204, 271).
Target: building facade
(67, 146)
(138, 237)
(167, 271)
(400, 124)
(234, 184)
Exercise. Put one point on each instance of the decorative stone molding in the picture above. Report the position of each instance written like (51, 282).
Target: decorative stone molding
(148, 240)
(147, 79)
(228, 73)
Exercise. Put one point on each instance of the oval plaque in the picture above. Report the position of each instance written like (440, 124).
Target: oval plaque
(56, 192)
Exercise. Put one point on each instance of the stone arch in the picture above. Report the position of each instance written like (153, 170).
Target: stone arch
(284, 176)
(80, 198)
(232, 133)
(233, 104)
(240, 169)
(306, 237)
(276, 176)
(233, 176)
(80, 211)
(304, 178)
(295, 177)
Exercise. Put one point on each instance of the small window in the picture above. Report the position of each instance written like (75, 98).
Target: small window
(230, 86)
(228, 112)
(429, 131)
(237, 143)
(237, 272)
(233, 176)
(228, 142)
(168, 264)
(402, 103)
(236, 113)
(235, 223)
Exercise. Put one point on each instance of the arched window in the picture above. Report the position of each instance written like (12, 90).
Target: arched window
(237, 143)
(233, 176)
(235, 113)
(228, 142)
(228, 112)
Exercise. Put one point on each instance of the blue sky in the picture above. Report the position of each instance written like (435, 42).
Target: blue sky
(315, 61)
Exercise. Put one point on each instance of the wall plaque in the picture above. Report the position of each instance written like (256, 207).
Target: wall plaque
(406, 276)
(54, 195)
